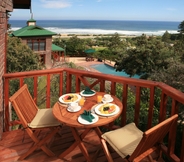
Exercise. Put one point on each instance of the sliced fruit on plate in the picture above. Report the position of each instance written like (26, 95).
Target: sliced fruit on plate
(70, 98)
(107, 109)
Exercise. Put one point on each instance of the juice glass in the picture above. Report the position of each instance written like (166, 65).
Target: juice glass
(99, 98)
(81, 101)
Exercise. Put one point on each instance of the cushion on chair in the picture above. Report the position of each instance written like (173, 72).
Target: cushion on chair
(44, 118)
(124, 140)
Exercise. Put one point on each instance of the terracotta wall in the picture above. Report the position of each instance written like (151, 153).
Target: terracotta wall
(5, 6)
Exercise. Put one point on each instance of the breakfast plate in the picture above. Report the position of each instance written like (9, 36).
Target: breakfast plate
(83, 121)
(107, 109)
(87, 95)
(69, 98)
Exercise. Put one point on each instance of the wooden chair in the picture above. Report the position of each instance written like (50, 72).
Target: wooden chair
(34, 120)
(134, 145)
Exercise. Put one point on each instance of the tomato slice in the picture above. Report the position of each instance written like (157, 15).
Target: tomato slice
(66, 97)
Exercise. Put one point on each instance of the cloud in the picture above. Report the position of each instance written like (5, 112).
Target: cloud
(55, 3)
(99, 0)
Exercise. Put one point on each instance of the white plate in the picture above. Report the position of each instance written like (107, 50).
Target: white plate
(87, 95)
(106, 101)
(83, 121)
(99, 113)
(62, 101)
(76, 109)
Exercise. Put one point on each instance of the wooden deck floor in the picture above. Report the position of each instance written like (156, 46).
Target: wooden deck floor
(15, 143)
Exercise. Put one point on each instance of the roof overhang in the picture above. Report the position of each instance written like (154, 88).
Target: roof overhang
(22, 4)
(56, 48)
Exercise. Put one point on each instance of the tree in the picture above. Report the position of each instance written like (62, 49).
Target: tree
(75, 46)
(20, 57)
(172, 76)
(179, 48)
(150, 54)
(114, 41)
(166, 37)
(181, 27)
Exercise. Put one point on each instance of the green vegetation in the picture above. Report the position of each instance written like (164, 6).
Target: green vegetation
(20, 57)
(181, 27)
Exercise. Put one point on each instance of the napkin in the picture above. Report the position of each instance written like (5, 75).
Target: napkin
(86, 115)
(88, 91)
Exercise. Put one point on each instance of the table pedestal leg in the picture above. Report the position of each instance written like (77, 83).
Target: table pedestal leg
(78, 142)
(81, 144)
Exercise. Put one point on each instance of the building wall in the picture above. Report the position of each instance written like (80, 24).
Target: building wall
(47, 52)
(48, 63)
(5, 5)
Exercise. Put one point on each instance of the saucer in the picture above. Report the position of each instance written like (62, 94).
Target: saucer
(76, 109)
(106, 101)
(85, 122)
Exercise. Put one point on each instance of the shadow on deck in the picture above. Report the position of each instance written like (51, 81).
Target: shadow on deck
(15, 143)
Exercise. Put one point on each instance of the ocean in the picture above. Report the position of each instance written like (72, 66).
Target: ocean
(96, 27)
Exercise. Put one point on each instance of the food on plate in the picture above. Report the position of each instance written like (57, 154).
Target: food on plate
(107, 109)
(70, 98)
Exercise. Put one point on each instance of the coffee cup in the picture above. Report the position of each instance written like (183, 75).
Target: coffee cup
(107, 97)
(73, 106)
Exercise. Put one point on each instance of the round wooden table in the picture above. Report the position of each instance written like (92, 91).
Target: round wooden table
(71, 119)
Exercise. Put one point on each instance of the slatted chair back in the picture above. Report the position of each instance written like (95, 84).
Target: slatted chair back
(26, 111)
(153, 137)
(34, 120)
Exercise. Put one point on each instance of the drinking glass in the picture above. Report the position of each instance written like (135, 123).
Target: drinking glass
(81, 101)
(99, 98)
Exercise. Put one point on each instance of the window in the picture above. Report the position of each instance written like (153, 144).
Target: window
(37, 44)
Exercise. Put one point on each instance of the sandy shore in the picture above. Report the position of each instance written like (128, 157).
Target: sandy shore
(66, 36)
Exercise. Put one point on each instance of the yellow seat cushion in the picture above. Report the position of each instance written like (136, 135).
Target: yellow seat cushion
(44, 118)
(124, 140)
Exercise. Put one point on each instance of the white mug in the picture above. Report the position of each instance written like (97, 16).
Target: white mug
(73, 106)
(107, 97)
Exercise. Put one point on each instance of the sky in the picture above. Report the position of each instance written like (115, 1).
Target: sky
(149, 10)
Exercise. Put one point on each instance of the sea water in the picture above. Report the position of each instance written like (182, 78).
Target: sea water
(102, 26)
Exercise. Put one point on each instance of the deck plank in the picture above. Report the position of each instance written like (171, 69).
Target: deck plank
(11, 147)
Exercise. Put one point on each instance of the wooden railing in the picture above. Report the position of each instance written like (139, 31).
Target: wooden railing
(169, 102)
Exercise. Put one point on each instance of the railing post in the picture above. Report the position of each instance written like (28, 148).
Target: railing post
(48, 96)
(6, 105)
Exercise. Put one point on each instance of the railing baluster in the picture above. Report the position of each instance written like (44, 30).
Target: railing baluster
(6, 104)
(48, 96)
(21, 82)
(151, 106)
(171, 143)
(124, 99)
(35, 89)
(137, 105)
(77, 84)
(163, 104)
(60, 84)
(68, 83)
(113, 88)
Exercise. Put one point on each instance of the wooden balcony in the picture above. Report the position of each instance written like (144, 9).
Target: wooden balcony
(50, 84)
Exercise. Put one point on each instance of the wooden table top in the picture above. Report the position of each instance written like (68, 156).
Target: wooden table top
(71, 118)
